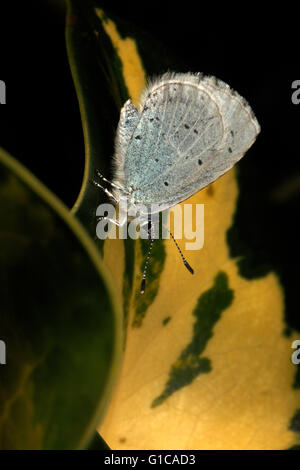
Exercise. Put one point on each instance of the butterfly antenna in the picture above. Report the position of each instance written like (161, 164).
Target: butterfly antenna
(143, 283)
(186, 264)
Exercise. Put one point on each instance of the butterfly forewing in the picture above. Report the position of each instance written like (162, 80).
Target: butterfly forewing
(189, 130)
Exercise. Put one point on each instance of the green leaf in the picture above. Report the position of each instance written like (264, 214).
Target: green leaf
(60, 320)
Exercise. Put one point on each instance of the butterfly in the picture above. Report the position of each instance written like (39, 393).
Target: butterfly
(187, 131)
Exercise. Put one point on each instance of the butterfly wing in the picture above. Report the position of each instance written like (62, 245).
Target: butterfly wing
(190, 130)
(129, 118)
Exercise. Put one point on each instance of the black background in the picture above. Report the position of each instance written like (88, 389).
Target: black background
(252, 47)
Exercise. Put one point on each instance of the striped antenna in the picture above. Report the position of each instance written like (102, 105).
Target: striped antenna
(186, 264)
(143, 283)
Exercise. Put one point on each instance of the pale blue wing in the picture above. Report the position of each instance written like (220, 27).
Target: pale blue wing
(129, 118)
(191, 130)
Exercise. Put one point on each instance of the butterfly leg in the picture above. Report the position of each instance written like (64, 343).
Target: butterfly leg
(114, 185)
(113, 221)
(95, 183)
(120, 223)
